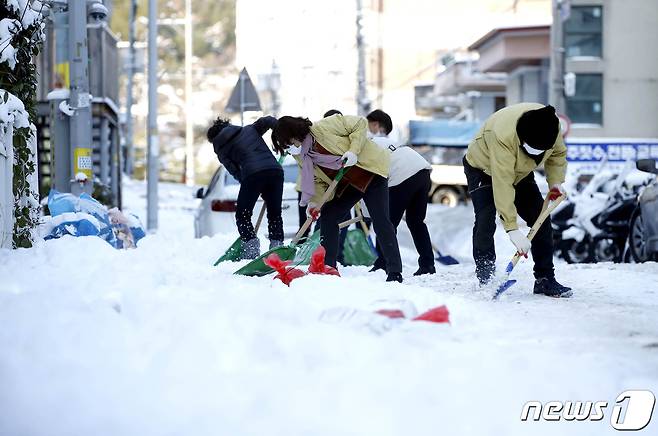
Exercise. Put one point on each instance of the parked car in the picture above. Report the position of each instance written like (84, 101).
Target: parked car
(216, 211)
(643, 233)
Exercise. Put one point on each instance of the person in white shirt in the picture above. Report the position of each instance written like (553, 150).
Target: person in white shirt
(408, 186)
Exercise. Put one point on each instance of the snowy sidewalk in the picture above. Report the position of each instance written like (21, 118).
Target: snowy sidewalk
(155, 341)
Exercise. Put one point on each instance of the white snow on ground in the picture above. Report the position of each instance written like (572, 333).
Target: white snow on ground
(156, 341)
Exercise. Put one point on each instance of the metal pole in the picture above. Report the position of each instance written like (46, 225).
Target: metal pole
(556, 82)
(241, 98)
(189, 132)
(361, 94)
(79, 98)
(130, 151)
(152, 127)
(60, 136)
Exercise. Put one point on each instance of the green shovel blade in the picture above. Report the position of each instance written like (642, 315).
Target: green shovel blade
(233, 253)
(257, 267)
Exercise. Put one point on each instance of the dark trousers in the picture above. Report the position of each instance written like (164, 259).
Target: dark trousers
(269, 185)
(318, 224)
(528, 202)
(410, 197)
(376, 199)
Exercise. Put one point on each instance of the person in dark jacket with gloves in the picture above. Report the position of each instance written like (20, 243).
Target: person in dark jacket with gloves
(245, 155)
(499, 167)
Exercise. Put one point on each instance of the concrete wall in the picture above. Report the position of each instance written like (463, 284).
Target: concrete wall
(629, 67)
(528, 84)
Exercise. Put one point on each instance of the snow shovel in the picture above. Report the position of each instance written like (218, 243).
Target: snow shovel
(234, 252)
(287, 252)
(546, 212)
(303, 255)
(445, 260)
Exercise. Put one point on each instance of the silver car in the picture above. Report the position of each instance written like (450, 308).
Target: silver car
(216, 211)
(643, 235)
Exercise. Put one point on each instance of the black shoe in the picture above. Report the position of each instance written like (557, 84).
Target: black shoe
(376, 267)
(551, 288)
(425, 270)
(394, 277)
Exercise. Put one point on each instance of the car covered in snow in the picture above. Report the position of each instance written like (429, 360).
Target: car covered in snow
(643, 234)
(216, 210)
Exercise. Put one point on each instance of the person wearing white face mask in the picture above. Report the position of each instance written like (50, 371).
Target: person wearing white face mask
(332, 143)
(499, 167)
(409, 184)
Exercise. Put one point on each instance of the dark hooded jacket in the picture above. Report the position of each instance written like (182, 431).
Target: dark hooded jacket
(243, 151)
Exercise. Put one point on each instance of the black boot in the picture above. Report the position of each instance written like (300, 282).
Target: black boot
(425, 270)
(250, 249)
(394, 277)
(551, 288)
(379, 264)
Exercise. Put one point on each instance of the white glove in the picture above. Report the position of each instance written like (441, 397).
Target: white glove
(520, 241)
(349, 158)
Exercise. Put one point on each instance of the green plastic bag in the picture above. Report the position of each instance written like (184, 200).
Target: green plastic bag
(357, 250)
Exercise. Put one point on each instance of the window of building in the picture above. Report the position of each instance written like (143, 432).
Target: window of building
(583, 31)
(586, 106)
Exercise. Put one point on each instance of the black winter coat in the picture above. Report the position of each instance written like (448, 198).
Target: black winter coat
(243, 151)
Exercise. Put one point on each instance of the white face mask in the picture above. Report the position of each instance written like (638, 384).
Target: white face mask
(532, 151)
(294, 150)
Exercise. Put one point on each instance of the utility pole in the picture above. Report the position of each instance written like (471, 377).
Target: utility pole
(189, 132)
(362, 102)
(80, 133)
(152, 127)
(242, 97)
(556, 71)
(130, 146)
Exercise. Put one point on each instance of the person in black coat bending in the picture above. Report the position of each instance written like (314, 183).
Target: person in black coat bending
(246, 156)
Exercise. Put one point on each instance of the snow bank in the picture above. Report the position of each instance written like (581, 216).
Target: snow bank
(12, 111)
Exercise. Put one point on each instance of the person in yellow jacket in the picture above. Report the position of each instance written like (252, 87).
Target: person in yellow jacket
(320, 149)
(499, 166)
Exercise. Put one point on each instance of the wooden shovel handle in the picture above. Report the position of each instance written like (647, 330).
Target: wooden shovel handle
(547, 208)
(330, 190)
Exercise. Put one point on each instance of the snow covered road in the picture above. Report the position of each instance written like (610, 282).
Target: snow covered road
(155, 341)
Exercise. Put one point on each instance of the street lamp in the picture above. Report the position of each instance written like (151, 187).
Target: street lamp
(274, 85)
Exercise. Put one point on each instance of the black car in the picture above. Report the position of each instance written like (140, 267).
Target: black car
(643, 235)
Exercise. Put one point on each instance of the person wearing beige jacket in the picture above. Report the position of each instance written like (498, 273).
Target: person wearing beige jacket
(320, 149)
(499, 167)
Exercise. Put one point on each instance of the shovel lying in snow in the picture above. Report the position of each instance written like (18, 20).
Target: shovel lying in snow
(287, 252)
(234, 252)
(445, 260)
(546, 211)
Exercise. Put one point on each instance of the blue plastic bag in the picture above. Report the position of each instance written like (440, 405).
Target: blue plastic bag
(74, 224)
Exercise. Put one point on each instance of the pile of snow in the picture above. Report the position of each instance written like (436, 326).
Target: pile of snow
(29, 13)
(156, 341)
(12, 112)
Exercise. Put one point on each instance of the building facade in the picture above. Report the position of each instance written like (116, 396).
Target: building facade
(610, 49)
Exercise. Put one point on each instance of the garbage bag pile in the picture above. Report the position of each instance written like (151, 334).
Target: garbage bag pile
(84, 216)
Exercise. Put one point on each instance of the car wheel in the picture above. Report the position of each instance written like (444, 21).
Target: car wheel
(446, 196)
(636, 242)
